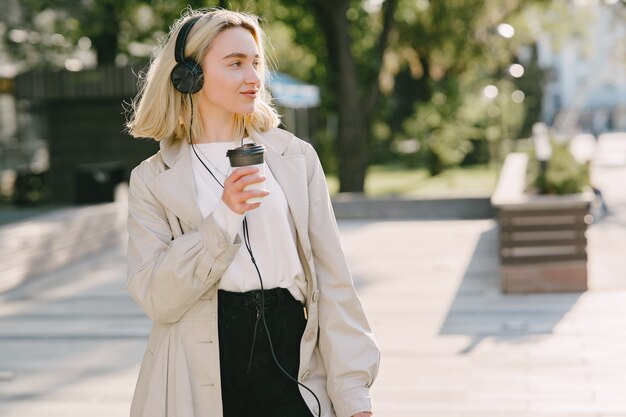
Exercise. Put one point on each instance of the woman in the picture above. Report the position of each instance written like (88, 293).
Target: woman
(222, 331)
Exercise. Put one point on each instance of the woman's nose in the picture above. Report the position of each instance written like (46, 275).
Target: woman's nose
(253, 76)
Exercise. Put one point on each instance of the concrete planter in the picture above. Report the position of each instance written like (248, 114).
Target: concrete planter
(542, 239)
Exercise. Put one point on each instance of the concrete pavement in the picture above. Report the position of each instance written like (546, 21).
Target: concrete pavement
(453, 345)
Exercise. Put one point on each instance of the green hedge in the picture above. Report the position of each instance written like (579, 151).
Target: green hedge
(562, 175)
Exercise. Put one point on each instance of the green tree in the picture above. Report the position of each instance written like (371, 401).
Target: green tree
(388, 68)
(126, 29)
(412, 52)
(347, 42)
(445, 55)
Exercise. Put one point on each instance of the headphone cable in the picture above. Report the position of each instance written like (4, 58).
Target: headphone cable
(194, 148)
(246, 239)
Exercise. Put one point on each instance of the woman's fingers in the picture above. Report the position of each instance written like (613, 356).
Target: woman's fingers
(236, 196)
(238, 202)
(238, 173)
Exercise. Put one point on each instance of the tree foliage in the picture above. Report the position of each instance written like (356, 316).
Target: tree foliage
(445, 54)
(390, 70)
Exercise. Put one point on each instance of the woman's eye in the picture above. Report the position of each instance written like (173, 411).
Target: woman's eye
(256, 64)
(236, 64)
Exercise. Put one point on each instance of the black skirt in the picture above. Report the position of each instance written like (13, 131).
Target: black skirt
(252, 382)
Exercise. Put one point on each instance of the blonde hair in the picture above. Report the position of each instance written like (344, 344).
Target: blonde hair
(160, 111)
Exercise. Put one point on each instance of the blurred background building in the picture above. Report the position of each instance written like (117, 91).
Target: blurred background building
(72, 130)
(586, 84)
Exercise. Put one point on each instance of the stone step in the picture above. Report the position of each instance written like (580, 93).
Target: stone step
(48, 242)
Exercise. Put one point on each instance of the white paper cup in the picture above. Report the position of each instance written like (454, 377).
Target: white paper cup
(256, 185)
(249, 154)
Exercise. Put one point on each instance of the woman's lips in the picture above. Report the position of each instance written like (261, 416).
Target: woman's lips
(250, 94)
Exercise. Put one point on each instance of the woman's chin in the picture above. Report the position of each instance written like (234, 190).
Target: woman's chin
(247, 110)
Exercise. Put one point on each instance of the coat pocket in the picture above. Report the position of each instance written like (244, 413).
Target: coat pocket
(201, 351)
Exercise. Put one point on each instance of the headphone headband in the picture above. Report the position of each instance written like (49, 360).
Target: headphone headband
(181, 39)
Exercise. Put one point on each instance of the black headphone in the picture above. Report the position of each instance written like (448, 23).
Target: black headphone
(187, 75)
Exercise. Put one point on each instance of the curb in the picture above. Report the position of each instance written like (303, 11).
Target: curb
(48, 242)
(356, 206)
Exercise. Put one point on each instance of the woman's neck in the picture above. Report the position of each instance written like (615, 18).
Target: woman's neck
(217, 127)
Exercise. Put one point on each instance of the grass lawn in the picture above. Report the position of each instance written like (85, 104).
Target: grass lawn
(388, 180)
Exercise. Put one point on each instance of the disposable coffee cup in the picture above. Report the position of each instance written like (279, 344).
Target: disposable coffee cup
(247, 155)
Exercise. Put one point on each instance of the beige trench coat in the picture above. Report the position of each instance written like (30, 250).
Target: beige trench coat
(176, 258)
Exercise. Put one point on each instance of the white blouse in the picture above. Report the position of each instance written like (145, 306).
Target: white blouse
(270, 226)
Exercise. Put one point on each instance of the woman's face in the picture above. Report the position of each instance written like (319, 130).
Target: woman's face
(231, 79)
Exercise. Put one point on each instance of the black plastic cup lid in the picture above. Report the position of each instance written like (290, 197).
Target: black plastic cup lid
(248, 154)
(246, 149)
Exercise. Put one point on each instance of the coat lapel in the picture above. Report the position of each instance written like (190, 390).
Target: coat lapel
(290, 173)
(175, 187)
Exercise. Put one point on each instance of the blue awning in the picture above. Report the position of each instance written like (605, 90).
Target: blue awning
(290, 92)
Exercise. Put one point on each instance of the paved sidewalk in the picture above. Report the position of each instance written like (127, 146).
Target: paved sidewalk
(453, 345)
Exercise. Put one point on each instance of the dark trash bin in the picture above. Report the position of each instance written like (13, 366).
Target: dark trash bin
(96, 182)
(28, 188)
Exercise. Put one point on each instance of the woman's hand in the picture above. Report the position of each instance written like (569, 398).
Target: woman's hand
(235, 197)
(364, 414)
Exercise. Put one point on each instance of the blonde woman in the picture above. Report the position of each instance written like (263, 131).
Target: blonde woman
(254, 308)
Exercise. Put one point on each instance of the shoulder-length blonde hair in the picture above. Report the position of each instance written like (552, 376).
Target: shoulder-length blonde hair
(160, 111)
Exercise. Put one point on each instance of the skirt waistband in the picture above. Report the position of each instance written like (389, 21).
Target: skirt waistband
(274, 296)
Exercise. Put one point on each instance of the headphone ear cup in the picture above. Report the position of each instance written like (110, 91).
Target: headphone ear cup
(187, 77)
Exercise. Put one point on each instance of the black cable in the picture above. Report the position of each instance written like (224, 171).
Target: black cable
(194, 148)
(246, 239)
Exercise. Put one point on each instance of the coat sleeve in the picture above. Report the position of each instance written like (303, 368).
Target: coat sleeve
(346, 341)
(167, 275)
